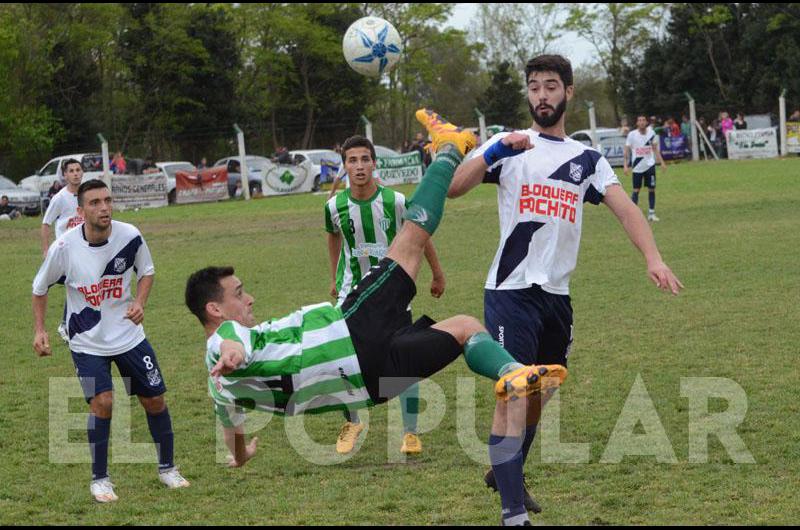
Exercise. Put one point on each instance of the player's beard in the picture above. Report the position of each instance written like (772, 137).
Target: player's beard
(548, 121)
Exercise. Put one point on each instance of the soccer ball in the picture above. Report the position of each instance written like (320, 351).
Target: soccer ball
(371, 46)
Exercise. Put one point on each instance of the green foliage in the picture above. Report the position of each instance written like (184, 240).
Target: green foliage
(618, 32)
(728, 56)
(503, 102)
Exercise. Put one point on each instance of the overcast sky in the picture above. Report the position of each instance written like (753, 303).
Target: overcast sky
(577, 49)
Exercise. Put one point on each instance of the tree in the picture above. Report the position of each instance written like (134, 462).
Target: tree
(503, 102)
(619, 32)
(516, 32)
(28, 128)
(733, 57)
(295, 66)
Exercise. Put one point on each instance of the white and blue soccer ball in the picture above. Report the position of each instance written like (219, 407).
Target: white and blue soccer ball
(371, 46)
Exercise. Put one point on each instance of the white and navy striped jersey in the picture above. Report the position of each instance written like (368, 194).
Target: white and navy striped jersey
(63, 212)
(98, 281)
(642, 149)
(302, 363)
(540, 196)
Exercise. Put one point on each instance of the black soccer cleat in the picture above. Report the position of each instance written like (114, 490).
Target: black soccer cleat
(530, 503)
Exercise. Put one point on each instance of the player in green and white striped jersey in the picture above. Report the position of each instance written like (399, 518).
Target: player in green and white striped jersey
(324, 358)
(361, 223)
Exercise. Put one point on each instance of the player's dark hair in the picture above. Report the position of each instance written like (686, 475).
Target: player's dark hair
(66, 163)
(94, 184)
(550, 63)
(4, 197)
(358, 141)
(203, 287)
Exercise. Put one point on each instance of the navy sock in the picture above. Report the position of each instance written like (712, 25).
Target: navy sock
(635, 197)
(161, 431)
(530, 433)
(98, 431)
(652, 197)
(505, 454)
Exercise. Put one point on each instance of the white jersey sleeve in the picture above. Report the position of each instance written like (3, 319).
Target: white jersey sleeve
(144, 261)
(53, 211)
(51, 271)
(599, 181)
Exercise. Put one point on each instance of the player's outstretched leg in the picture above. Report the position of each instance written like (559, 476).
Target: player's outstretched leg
(449, 145)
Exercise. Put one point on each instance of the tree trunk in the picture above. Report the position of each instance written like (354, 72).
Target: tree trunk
(309, 104)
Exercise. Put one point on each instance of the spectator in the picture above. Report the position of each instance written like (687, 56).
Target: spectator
(118, 165)
(282, 156)
(674, 129)
(739, 123)
(686, 126)
(725, 123)
(795, 115)
(8, 212)
(203, 163)
(55, 188)
(406, 146)
(419, 145)
(624, 128)
(338, 148)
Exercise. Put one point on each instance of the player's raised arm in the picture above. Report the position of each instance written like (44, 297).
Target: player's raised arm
(640, 234)
(472, 172)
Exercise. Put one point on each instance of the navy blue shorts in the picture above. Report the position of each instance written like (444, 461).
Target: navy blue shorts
(648, 177)
(532, 324)
(138, 368)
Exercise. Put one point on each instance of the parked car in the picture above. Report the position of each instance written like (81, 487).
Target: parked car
(256, 166)
(611, 143)
(331, 160)
(41, 181)
(26, 201)
(169, 169)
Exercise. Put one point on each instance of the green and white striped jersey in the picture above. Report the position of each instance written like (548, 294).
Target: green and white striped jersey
(303, 363)
(368, 227)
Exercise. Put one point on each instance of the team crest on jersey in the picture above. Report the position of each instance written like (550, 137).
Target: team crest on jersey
(575, 171)
(120, 265)
(385, 224)
(154, 377)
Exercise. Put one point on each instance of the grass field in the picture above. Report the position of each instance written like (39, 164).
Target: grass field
(730, 230)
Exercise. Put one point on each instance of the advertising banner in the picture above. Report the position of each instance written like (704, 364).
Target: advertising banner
(674, 147)
(753, 143)
(201, 186)
(793, 136)
(139, 191)
(403, 169)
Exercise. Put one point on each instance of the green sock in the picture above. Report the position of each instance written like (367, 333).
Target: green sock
(409, 406)
(427, 205)
(486, 357)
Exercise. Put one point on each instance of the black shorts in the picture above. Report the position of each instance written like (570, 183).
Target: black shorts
(393, 353)
(648, 177)
(533, 325)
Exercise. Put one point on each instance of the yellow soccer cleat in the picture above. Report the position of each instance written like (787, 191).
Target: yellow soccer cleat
(443, 132)
(529, 380)
(412, 445)
(348, 437)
